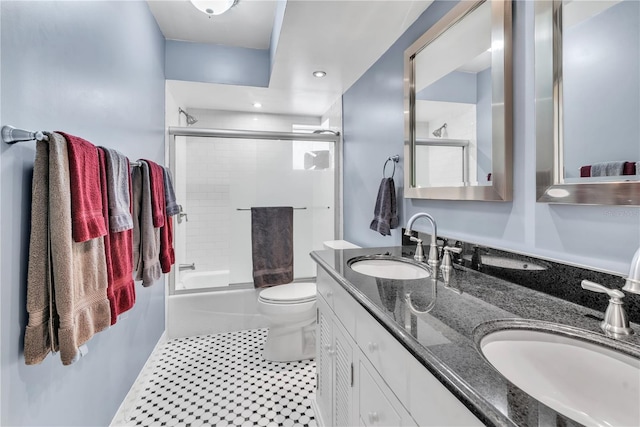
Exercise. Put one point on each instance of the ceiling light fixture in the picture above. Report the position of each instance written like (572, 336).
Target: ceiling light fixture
(214, 7)
(319, 73)
(257, 105)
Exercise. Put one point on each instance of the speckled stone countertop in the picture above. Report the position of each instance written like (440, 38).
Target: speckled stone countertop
(442, 340)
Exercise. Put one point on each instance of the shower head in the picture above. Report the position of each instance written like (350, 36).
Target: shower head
(333, 132)
(190, 119)
(441, 131)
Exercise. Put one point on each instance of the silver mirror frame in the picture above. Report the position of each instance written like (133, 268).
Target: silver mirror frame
(501, 108)
(550, 187)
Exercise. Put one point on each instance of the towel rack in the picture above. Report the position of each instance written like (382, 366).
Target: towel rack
(395, 159)
(297, 209)
(11, 135)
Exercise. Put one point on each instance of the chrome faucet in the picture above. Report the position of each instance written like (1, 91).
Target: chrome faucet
(633, 280)
(191, 266)
(615, 323)
(433, 260)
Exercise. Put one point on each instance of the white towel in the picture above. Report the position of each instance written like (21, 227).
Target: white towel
(637, 168)
(607, 169)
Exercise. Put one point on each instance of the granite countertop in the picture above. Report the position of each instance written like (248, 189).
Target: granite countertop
(442, 340)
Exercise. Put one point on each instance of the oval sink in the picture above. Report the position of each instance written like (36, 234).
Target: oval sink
(574, 372)
(389, 267)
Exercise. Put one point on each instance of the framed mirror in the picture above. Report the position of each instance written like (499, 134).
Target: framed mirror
(458, 106)
(587, 74)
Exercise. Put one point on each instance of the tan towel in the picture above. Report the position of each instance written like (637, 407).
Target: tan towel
(39, 337)
(146, 238)
(79, 268)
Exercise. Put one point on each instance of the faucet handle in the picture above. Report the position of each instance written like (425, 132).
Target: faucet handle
(596, 287)
(616, 322)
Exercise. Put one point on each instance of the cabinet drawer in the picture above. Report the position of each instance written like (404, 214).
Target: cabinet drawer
(385, 353)
(431, 404)
(343, 304)
(374, 408)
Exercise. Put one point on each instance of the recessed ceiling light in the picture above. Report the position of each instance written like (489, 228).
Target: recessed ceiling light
(319, 73)
(257, 105)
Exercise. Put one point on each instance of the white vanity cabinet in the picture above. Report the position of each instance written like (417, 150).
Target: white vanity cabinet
(367, 378)
(334, 354)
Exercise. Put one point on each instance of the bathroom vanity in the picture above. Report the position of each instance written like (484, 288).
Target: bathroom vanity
(382, 359)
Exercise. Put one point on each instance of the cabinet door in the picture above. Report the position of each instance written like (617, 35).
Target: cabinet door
(343, 378)
(324, 365)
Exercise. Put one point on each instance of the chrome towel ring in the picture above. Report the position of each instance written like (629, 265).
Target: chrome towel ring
(395, 159)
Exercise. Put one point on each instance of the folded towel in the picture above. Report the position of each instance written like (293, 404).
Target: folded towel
(146, 238)
(86, 194)
(39, 336)
(118, 247)
(79, 272)
(169, 194)
(118, 191)
(607, 169)
(272, 245)
(629, 168)
(637, 168)
(156, 181)
(585, 171)
(386, 210)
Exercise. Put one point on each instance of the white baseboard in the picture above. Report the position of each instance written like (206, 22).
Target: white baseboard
(121, 418)
(316, 411)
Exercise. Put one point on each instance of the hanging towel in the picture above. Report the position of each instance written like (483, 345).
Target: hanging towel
(79, 272)
(39, 336)
(607, 169)
(118, 190)
(272, 245)
(386, 210)
(156, 181)
(167, 254)
(86, 197)
(118, 249)
(146, 238)
(169, 193)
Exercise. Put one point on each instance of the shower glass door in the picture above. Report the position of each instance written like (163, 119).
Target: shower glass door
(219, 179)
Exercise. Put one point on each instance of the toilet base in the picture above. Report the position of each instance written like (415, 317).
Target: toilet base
(290, 344)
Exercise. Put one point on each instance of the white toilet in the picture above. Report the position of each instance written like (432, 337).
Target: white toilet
(290, 311)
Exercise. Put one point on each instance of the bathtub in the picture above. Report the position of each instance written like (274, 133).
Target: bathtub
(203, 279)
(218, 308)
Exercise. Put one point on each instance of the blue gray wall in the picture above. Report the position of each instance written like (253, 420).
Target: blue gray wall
(604, 237)
(94, 69)
(601, 54)
(208, 63)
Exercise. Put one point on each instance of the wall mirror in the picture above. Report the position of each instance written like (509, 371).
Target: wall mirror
(458, 106)
(587, 71)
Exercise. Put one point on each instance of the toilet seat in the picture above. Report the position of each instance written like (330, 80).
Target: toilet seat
(291, 293)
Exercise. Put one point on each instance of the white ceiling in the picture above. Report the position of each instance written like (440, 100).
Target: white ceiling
(248, 24)
(342, 37)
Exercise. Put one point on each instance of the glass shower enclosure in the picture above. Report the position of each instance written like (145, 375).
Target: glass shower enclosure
(219, 175)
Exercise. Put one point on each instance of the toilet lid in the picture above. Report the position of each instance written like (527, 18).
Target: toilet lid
(291, 293)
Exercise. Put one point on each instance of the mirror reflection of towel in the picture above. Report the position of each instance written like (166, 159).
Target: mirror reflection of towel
(388, 291)
(607, 169)
(386, 210)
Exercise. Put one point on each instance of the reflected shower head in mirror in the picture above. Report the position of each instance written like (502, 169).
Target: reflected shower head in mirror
(190, 119)
(441, 132)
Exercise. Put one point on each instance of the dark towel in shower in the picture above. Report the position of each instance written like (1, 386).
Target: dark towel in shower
(272, 245)
(386, 210)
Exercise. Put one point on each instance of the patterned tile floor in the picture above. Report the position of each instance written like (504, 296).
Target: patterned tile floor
(222, 380)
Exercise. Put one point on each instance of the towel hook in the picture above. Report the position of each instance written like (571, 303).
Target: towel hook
(395, 159)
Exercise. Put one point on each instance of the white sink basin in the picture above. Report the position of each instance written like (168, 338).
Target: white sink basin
(586, 381)
(387, 267)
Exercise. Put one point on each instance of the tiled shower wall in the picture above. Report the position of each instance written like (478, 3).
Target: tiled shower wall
(225, 174)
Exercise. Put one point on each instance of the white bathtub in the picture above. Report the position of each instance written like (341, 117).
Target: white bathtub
(212, 312)
(203, 279)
